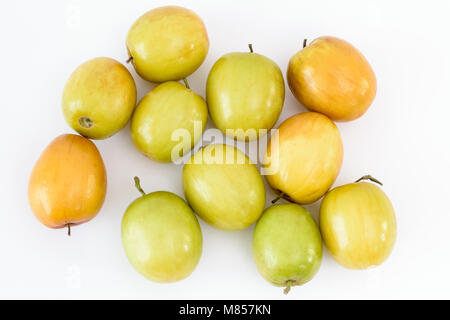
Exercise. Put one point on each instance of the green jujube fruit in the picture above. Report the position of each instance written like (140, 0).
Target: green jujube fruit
(161, 236)
(287, 246)
(245, 93)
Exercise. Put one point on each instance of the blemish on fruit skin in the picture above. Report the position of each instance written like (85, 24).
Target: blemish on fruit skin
(85, 122)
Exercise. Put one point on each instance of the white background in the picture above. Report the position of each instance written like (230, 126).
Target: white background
(402, 140)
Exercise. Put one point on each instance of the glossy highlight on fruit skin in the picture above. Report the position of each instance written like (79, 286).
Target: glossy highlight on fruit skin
(162, 237)
(99, 98)
(68, 183)
(245, 90)
(358, 225)
(287, 246)
(167, 43)
(223, 187)
(168, 107)
(307, 158)
(332, 77)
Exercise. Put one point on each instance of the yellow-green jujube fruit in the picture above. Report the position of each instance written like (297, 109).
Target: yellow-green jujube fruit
(99, 98)
(161, 236)
(358, 224)
(168, 121)
(167, 43)
(245, 94)
(223, 187)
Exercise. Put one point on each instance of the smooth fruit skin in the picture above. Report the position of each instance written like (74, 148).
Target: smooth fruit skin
(332, 77)
(166, 108)
(358, 225)
(245, 91)
(161, 237)
(167, 43)
(287, 246)
(68, 182)
(229, 195)
(99, 98)
(307, 158)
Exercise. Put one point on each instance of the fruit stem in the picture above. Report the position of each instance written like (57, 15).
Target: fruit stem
(304, 42)
(369, 177)
(281, 195)
(129, 59)
(186, 83)
(137, 184)
(68, 229)
(250, 46)
(288, 286)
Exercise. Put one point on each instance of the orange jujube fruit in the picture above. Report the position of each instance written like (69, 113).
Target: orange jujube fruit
(332, 77)
(303, 157)
(68, 183)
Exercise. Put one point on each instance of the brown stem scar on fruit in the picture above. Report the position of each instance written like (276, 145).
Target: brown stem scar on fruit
(68, 229)
(304, 42)
(250, 46)
(129, 59)
(85, 122)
